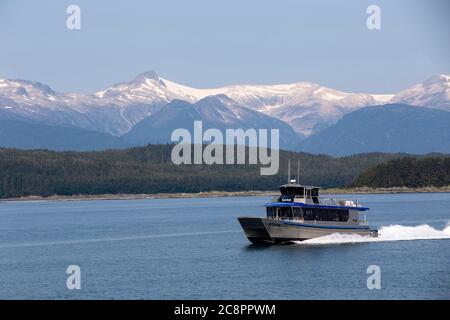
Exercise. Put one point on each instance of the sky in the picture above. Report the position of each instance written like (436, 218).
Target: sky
(205, 43)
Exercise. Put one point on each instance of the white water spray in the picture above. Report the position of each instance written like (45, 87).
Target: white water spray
(387, 233)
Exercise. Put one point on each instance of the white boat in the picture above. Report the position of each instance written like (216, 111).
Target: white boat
(298, 214)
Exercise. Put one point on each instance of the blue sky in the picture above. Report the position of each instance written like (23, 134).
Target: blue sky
(205, 43)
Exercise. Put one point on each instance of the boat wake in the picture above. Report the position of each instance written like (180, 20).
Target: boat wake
(387, 233)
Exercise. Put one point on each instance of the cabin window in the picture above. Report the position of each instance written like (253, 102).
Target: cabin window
(343, 215)
(318, 215)
(326, 215)
(297, 213)
(308, 214)
(292, 191)
(271, 212)
(315, 195)
(285, 212)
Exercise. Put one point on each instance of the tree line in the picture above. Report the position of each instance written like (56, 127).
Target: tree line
(407, 172)
(147, 170)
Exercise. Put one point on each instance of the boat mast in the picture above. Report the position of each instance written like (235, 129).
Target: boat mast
(298, 171)
(289, 171)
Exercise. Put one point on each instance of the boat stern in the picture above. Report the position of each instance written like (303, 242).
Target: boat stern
(373, 233)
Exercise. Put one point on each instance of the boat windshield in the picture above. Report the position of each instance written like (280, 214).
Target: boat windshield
(300, 192)
(292, 191)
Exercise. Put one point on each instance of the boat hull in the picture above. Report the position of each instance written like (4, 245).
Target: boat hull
(263, 230)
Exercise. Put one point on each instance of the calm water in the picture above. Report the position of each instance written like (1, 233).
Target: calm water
(194, 249)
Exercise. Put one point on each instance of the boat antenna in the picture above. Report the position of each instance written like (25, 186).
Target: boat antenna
(289, 171)
(298, 171)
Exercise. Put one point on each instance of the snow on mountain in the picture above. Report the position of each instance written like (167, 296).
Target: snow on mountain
(306, 106)
(434, 92)
(145, 88)
(26, 100)
(303, 105)
(309, 107)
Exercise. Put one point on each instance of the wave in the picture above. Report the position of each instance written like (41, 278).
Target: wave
(386, 233)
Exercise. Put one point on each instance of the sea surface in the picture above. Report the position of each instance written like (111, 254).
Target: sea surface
(195, 249)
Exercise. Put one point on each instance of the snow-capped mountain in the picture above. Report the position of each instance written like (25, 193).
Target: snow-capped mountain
(33, 101)
(306, 106)
(434, 92)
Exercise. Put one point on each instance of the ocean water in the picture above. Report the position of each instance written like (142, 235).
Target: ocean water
(195, 249)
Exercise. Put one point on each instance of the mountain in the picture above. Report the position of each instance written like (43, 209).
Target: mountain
(218, 111)
(388, 128)
(434, 92)
(28, 135)
(307, 107)
(38, 103)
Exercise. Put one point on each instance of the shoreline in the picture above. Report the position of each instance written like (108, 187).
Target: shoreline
(217, 194)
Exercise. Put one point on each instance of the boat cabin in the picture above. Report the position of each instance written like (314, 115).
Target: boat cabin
(299, 202)
(294, 192)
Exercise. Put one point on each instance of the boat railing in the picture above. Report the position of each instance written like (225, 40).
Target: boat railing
(325, 202)
(339, 202)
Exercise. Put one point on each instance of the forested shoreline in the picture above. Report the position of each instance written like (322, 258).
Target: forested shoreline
(407, 172)
(149, 170)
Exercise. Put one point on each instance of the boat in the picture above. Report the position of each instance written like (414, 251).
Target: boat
(298, 214)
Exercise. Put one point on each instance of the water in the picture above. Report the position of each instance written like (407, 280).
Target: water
(195, 249)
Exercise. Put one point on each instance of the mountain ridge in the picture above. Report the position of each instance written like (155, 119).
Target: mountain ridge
(23, 134)
(306, 106)
(386, 128)
(217, 111)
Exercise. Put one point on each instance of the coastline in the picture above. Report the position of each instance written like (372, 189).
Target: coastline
(215, 194)
(392, 190)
